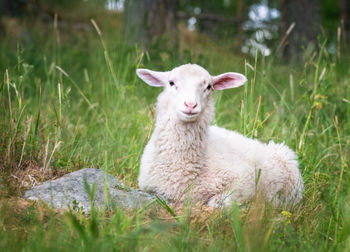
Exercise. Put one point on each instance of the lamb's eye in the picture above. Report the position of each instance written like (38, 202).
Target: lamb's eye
(209, 87)
(171, 83)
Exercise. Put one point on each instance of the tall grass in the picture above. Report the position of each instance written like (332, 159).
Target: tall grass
(64, 107)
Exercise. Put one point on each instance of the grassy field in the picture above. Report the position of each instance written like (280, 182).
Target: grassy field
(70, 99)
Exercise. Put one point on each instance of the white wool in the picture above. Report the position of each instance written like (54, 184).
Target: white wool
(186, 157)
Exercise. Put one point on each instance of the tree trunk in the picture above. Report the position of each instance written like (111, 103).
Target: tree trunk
(240, 25)
(12, 7)
(306, 14)
(148, 20)
(344, 8)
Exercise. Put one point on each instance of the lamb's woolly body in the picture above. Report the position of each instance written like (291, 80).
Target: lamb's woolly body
(213, 165)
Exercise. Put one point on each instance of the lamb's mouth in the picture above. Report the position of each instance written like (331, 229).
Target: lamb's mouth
(189, 114)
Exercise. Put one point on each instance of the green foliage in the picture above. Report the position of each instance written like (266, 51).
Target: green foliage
(76, 102)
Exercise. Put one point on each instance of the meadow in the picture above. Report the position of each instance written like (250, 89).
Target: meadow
(70, 99)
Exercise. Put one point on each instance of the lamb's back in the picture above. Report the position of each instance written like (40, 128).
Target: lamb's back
(245, 158)
(232, 149)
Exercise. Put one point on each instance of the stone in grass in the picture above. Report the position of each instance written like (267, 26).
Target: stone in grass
(72, 190)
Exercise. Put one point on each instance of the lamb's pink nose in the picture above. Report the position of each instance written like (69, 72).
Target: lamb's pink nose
(190, 105)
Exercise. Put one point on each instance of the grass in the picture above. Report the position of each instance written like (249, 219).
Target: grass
(72, 100)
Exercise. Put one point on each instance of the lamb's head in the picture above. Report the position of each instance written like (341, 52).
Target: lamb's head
(188, 87)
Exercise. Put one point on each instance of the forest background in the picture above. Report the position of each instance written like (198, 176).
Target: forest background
(69, 98)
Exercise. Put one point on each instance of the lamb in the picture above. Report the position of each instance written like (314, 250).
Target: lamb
(186, 157)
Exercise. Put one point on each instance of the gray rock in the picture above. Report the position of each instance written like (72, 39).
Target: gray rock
(74, 190)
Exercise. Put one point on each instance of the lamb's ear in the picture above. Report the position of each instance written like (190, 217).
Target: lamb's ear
(228, 80)
(153, 78)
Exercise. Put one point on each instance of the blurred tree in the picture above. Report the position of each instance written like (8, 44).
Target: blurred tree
(239, 16)
(219, 19)
(306, 15)
(12, 7)
(344, 8)
(148, 20)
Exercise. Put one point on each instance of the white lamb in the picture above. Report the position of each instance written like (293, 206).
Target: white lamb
(186, 157)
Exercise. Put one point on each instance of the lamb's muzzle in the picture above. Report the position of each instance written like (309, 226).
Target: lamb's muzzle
(187, 157)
